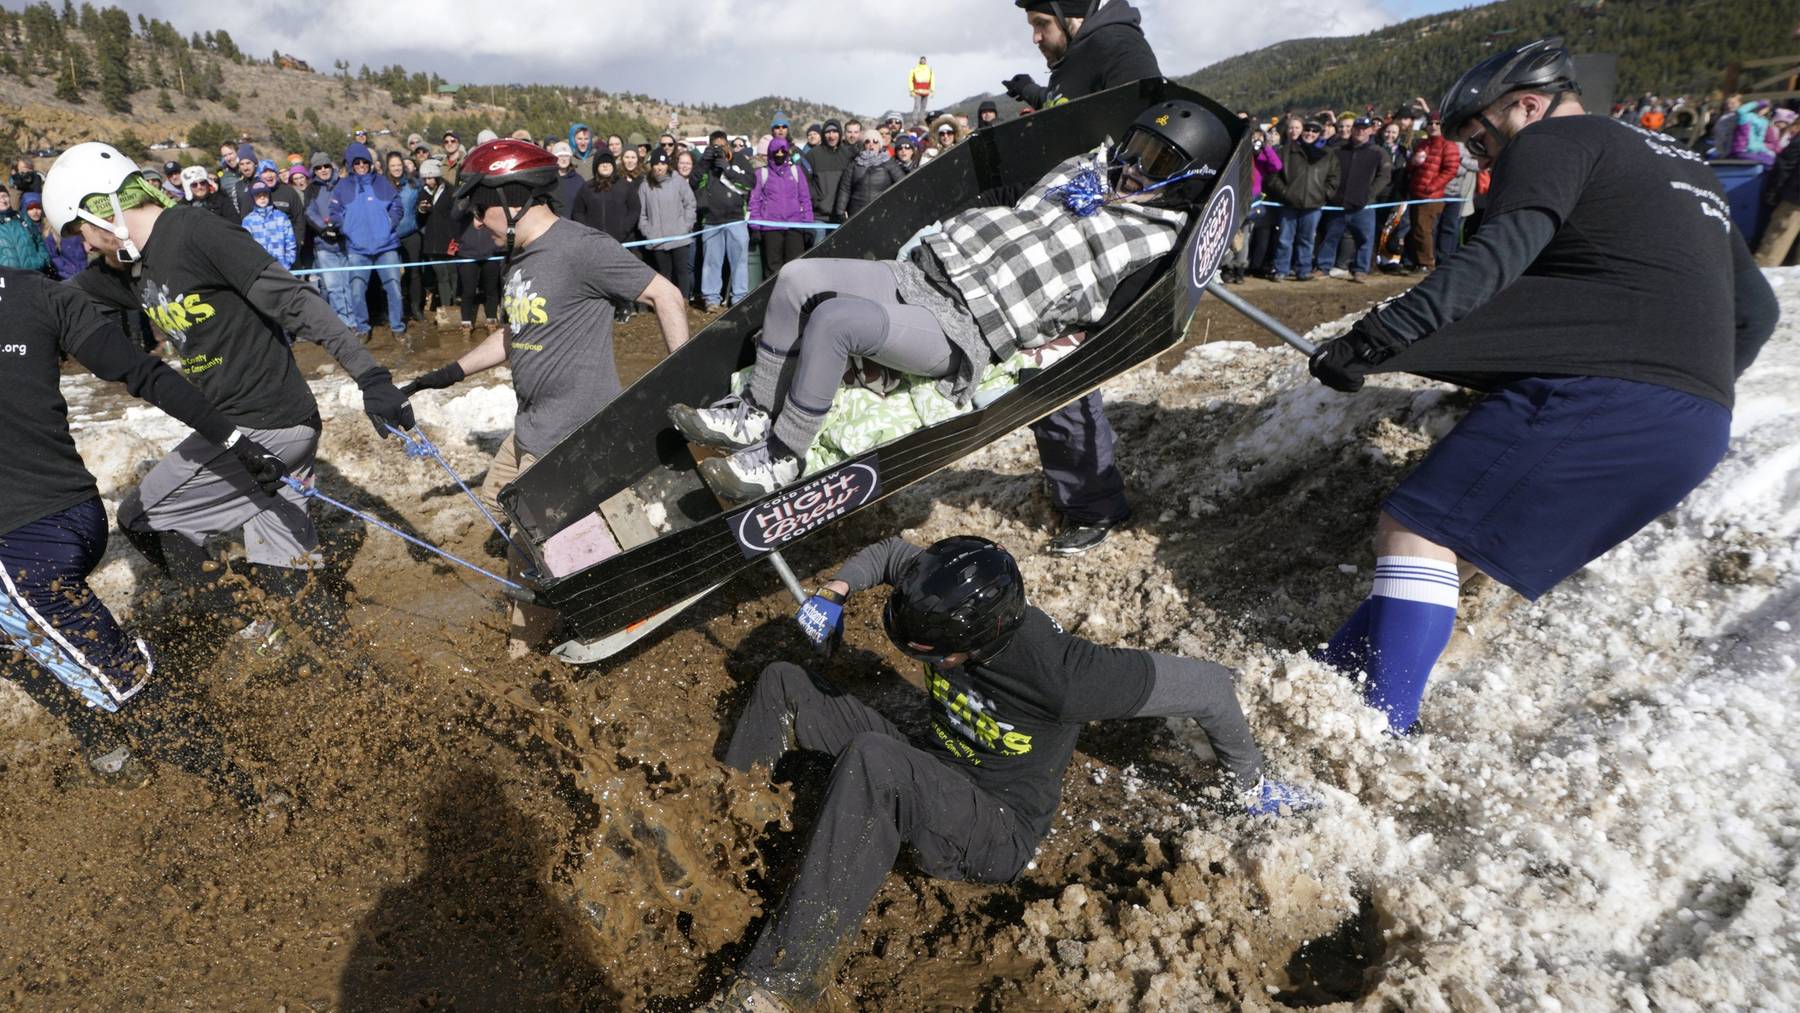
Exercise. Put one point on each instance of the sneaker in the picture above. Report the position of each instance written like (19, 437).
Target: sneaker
(1303, 277)
(1075, 539)
(1358, 279)
(750, 473)
(1278, 277)
(732, 422)
(1337, 272)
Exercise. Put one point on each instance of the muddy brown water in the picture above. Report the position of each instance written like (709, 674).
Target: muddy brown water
(469, 832)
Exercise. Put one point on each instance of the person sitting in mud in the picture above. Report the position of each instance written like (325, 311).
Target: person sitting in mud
(1009, 692)
(53, 525)
(975, 288)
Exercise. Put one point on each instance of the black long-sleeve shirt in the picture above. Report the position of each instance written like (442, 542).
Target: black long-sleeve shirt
(1011, 721)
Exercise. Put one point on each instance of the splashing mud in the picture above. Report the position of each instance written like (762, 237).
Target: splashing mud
(1597, 813)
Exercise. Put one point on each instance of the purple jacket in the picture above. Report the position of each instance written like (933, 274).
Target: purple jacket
(68, 258)
(1266, 163)
(781, 194)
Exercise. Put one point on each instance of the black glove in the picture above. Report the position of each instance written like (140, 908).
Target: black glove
(437, 379)
(1341, 363)
(384, 402)
(1015, 86)
(331, 233)
(265, 469)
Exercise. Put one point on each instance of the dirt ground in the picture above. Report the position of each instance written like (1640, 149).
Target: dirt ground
(467, 832)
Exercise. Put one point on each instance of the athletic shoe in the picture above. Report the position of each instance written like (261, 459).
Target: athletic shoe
(732, 422)
(1278, 277)
(1337, 272)
(1303, 277)
(750, 473)
(1075, 539)
(1358, 279)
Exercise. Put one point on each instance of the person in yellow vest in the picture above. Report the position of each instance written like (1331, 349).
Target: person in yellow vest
(922, 89)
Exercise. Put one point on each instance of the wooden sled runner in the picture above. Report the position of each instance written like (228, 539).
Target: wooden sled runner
(624, 534)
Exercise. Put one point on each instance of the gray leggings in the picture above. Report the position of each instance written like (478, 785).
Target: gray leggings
(843, 308)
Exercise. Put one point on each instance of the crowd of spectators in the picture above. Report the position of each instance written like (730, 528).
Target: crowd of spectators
(1337, 194)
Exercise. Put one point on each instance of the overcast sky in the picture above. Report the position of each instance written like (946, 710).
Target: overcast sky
(850, 53)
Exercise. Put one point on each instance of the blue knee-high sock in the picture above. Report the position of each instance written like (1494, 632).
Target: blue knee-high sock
(1412, 612)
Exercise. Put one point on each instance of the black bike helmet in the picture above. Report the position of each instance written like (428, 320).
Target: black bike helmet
(963, 594)
(1543, 65)
(1169, 139)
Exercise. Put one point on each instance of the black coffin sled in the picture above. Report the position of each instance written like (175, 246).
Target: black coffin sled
(624, 489)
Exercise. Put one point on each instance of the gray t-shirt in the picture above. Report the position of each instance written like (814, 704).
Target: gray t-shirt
(559, 315)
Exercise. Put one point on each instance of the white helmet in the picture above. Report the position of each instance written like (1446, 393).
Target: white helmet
(86, 169)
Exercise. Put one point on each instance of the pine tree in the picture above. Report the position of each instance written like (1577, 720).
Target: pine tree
(112, 46)
(68, 84)
(163, 101)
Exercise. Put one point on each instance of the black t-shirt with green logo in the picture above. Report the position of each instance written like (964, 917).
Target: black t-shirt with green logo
(195, 270)
(40, 323)
(1011, 722)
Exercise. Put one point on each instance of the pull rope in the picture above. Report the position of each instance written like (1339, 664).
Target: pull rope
(419, 447)
(312, 493)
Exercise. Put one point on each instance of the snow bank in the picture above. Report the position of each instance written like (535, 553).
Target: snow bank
(1600, 811)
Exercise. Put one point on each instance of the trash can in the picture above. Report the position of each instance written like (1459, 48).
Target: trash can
(1742, 181)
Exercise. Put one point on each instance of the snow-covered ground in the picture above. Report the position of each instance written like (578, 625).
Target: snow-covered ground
(1599, 812)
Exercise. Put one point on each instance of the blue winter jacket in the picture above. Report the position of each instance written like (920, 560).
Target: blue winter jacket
(273, 230)
(20, 246)
(409, 207)
(366, 208)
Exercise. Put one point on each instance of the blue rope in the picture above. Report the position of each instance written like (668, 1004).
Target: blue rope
(313, 493)
(420, 447)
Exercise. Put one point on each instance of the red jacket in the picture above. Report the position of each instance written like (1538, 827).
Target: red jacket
(1441, 162)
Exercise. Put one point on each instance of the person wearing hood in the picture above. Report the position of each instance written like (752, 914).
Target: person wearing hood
(724, 195)
(365, 207)
(68, 256)
(906, 153)
(1751, 142)
(327, 239)
(569, 181)
(868, 178)
(782, 193)
(270, 226)
(667, 213)
(20, 246)
(825, 166)
(946, 132)
(987, 114)
(1085, 54)
(581, 150)
(282, 197)
(815, 136)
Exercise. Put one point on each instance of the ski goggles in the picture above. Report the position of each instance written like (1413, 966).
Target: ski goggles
(1150, 154)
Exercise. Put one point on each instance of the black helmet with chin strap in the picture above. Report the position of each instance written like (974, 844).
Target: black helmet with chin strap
(1177, 143)
(1543, 66)
(961, 595)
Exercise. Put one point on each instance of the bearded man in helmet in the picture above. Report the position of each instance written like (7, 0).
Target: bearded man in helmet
(1009, 692)
(970, 291)
(1607, 307)
(561, 283)
(229, 312)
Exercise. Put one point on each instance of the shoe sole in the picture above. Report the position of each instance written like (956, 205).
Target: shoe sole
(723, 481)
(682, 417)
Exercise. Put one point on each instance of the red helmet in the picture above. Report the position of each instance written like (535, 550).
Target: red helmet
(509, 172)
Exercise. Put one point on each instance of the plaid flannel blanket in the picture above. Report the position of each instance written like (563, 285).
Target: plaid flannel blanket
(1031, 271)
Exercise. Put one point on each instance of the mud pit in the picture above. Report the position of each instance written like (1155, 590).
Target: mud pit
(1599, 812)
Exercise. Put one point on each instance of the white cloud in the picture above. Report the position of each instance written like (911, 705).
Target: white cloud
(852, 53)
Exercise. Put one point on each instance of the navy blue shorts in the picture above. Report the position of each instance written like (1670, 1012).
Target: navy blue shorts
(1548, 473)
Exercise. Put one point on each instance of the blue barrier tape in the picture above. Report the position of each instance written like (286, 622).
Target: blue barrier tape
(819, 226)
(419, 447)
(1370, 207)
(313, 493)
